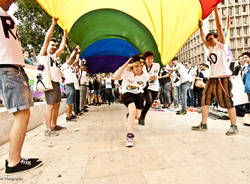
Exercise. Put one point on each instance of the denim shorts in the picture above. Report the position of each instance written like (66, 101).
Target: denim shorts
(97, 92)
(14, 89)
(70, 94)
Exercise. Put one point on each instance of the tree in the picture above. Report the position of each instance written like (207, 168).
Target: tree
(33, 25)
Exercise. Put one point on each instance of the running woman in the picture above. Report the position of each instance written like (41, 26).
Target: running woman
(151, 90)
(134, 80)
(219, 84)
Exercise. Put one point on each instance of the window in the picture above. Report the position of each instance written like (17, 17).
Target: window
(229, 1)
(238, 21)
(245, 41)
(237, 10)
(232, 43)
(238, 31)
(231, 32)
(244, 9)
(223, 2)
(245, 20)
(236, 1)
(231, 21)
(211, 24)
(245, 30)
(230, 11)
(239, 42)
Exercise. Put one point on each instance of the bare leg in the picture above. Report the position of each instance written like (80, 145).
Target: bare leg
(204, 111)
(55, 114)
(49, 114)
(17, 135)
(138, 114)
(131, 117)
(232, 115)
(68, 110)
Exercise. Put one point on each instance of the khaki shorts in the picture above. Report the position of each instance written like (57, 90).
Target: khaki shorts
(220, 88)
(53, 96)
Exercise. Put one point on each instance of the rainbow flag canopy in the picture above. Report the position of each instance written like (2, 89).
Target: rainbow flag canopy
(111, 31)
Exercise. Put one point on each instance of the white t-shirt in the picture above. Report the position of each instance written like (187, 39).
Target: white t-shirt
(206, 73)
(191, 73)
(153, 72)
(84, 77)
(133, 84)
(219, 61)
(184, 77)
(10, 47)
(55, 71)
(108, 82)
(68, 73)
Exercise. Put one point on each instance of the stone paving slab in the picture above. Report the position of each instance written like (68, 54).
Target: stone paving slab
(92, 151)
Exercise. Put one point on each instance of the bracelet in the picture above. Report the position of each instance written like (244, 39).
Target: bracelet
(79, 52)
(76, 49)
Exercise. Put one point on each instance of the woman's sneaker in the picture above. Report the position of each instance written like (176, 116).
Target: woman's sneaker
(232, 130)
(129, 140)
(23, 165)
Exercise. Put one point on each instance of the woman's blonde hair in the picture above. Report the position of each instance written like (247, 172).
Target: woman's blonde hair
(130, 66)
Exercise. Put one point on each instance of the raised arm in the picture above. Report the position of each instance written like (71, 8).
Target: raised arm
(72, 55)
(118, 73)
(203, 37)
(221, 36)
(77, 60)
(43, 51)
(62, 45)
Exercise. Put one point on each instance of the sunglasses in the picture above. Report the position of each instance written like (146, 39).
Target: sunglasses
(210, 39)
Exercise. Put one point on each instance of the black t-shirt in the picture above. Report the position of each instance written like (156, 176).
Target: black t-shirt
(96, 85)
(165, 80)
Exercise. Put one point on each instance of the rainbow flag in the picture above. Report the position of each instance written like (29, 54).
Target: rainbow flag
(111, 31)
(227, 37)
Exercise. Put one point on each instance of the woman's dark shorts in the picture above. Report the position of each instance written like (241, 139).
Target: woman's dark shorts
(128, 98)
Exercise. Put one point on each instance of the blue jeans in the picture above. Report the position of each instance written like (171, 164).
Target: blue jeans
(177, 95)
(166, 86)
(190, 100)
(70, 94)
(184, 89)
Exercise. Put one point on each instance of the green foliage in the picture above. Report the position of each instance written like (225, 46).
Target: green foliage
(33, 25)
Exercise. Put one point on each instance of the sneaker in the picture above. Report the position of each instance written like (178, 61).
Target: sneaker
(78, 113)
(23, 165)
(58, 127)
(50, 133)
(233, 130)
(31, 159)
(70, 118)
(141, 122)
(181, 112)
(129, 140)
(200, 127)
(73, 116)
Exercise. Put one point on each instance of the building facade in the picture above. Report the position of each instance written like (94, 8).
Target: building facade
(194, 50)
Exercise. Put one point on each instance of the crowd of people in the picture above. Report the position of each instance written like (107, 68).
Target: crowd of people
(137, 83)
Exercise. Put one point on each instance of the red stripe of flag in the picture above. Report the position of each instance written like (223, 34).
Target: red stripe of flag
(207, 7)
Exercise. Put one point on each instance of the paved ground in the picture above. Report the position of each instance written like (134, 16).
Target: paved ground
(92, 151)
